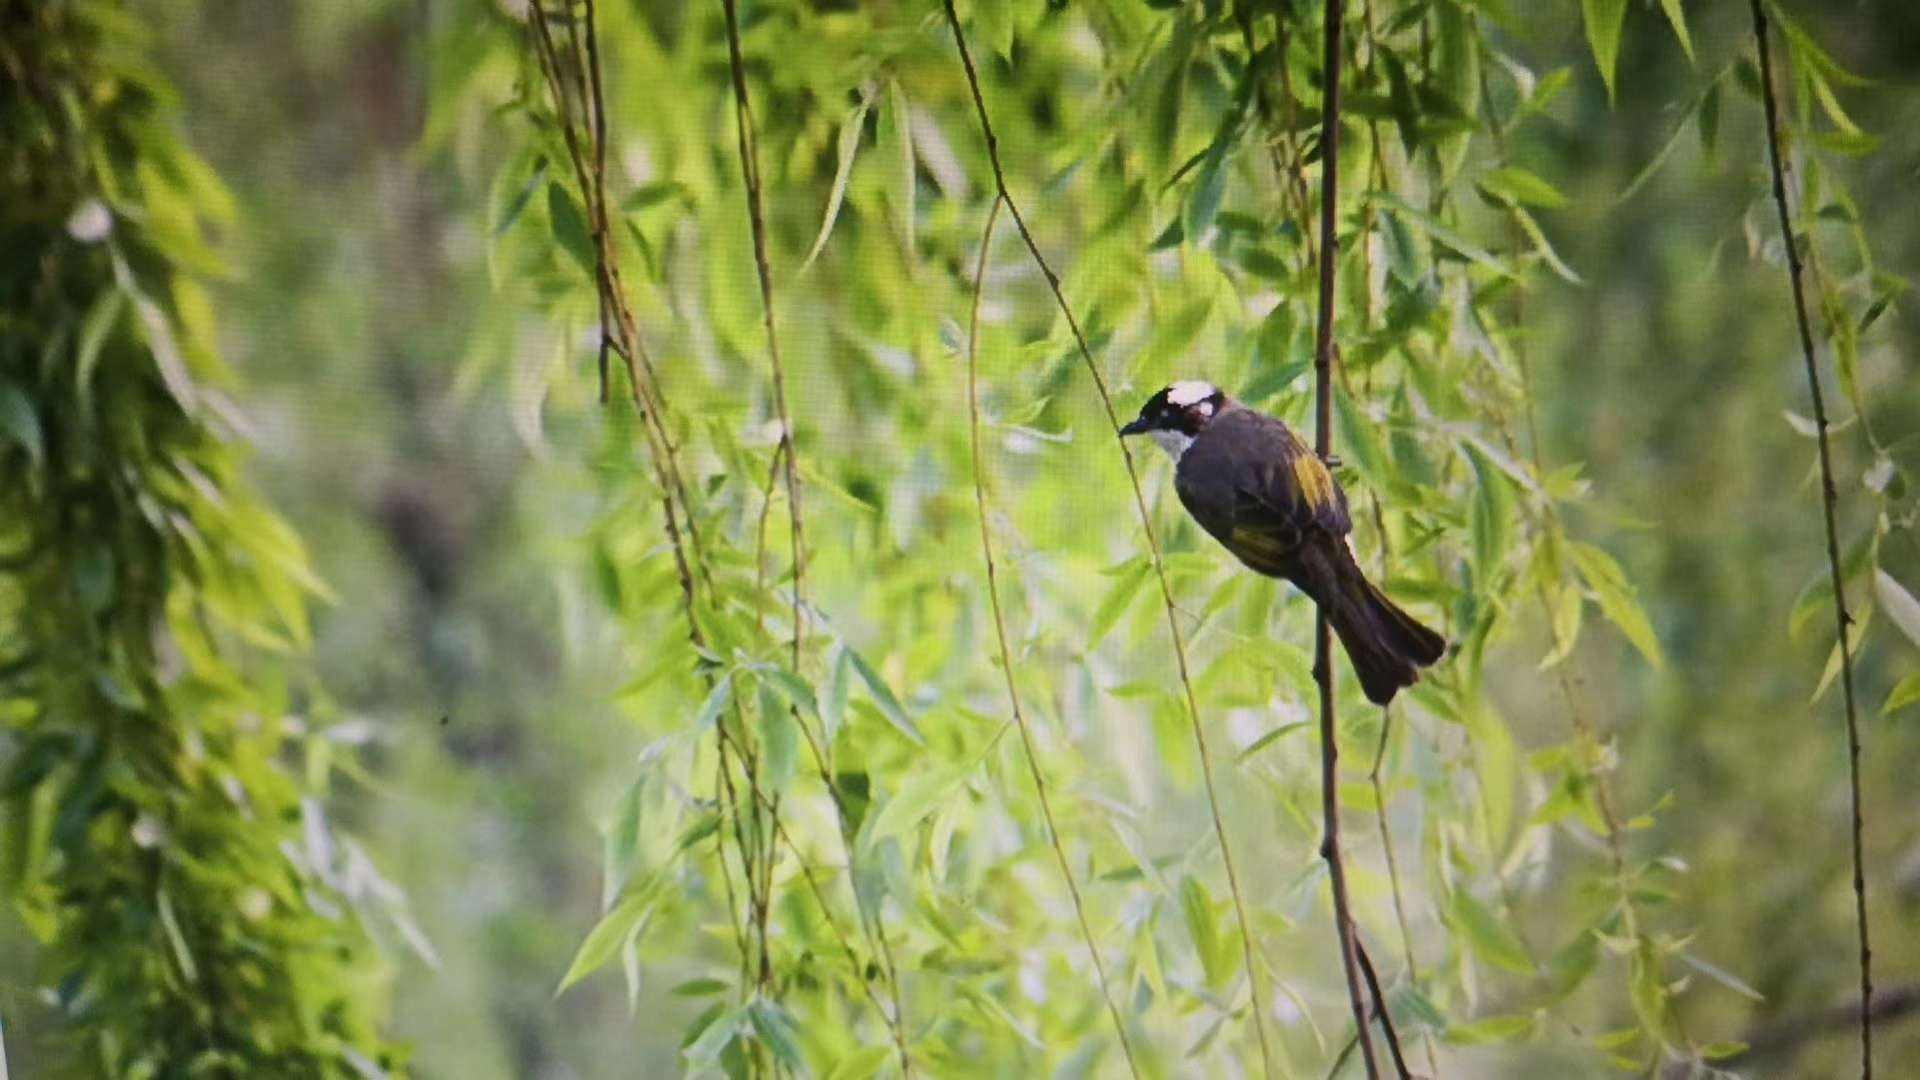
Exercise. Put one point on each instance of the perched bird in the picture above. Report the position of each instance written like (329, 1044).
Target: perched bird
(1255, 487)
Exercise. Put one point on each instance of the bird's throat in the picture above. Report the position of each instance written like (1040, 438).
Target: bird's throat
(1175, 443)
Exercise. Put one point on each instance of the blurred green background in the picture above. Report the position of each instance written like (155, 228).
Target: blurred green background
(431, 433)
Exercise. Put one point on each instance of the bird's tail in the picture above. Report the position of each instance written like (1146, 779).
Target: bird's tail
(1386, 645)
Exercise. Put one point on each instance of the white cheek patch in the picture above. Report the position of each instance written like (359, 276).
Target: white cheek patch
(1190, 392)
(1175, 443)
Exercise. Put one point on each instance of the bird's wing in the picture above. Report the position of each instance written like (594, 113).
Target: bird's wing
(1253, 484)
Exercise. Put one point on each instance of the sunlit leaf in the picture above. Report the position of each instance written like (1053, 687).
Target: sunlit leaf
(1904, 693)
(1489, 938)
(1602, 19)
(916, 799)
(851, 130)
(890, 706)
(1616, 598)
(1898, 603)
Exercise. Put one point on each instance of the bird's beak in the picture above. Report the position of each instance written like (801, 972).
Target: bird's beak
(1139, 425)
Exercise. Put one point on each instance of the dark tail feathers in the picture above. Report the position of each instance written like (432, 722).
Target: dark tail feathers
(1386, 645)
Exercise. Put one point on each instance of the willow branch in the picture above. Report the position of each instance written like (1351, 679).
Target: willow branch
(619, 330)
(750, 172)
(1828, 500)
(1146, 525)
(1323, 361)
(1006, 652)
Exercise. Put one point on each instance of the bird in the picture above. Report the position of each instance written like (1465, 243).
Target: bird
(1254, 486)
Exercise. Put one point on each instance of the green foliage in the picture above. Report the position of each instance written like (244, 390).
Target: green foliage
(1183, 246)
(194, 906)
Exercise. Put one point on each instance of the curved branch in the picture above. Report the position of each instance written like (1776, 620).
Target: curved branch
(1006, 652)
(1146, 525)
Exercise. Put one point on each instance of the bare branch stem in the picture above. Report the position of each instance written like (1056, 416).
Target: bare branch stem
(1828, 500)
(1323, 363)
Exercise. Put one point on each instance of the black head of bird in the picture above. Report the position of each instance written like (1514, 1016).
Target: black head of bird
(1253, 485)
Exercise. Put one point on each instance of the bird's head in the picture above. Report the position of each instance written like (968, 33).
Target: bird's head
(1178, 414)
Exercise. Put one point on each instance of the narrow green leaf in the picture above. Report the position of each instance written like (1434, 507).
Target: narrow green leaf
(1488, 938)
(1572, 964)
(1439, 232)
(833, 708)
(1678, 19)
(1603, 19)
(570, 226)
(1647, 992)
(883, 697)
(1491, 517)
(905, 182)
(779, 741)
(622, 841)
(790, 686)
(1264, 741)
(721, 1027)
(177, 940)
(1723, 977)
(850, 131)
(918, 798)
(1119, 597)
(775, 1028)
(716, 700)
(94, 331)
(1203, 198)
(1616, 598)
(1543, 248)
(1492, 1029)
(1197, 906)
(1898, 603)
(1904, 693)
(1513, 184)
(607, 935)
(20, 424)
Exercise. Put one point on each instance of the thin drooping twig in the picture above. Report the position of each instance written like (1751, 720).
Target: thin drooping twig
(1377, 169)
(622, 335)
(1006, 651)
(1323, 445)
(1146, 525)
(1828, 500)
(1380, 1010)
(750, 172)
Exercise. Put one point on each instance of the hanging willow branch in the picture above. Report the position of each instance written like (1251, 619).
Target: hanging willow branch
(750, 171)
(1006, 652)
(577, 75)
(1323, 361)
(1146, 525)
(1828, 499)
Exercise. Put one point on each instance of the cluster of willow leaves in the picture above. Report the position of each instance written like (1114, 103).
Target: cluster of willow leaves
(662, 592)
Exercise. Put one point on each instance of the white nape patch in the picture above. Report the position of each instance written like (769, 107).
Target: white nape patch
(1174, 443)
(1190, 392)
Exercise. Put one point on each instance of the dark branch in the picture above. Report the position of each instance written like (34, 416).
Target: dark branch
(1323, 444)
(1828, 499)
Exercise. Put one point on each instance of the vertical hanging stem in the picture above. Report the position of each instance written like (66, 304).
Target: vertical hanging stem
(1006, 651)
(1828, 498)
(1323, 361)
(821, 749)
(1248, 952)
